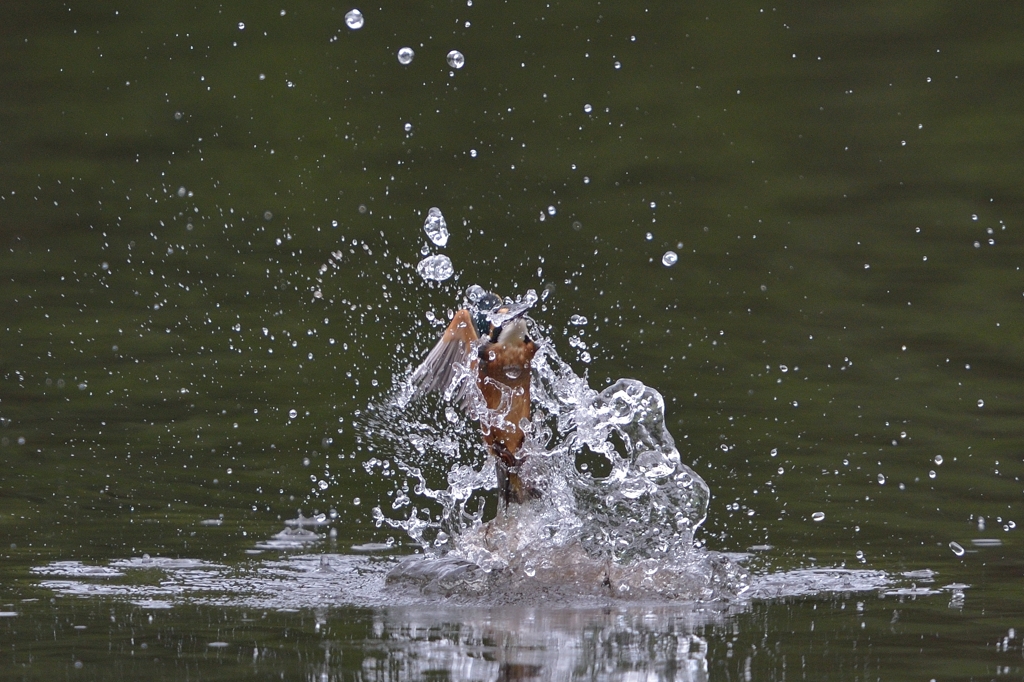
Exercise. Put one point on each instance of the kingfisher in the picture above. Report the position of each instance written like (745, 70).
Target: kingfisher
(488, 343)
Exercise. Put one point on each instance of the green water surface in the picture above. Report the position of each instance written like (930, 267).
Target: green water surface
(210, 218)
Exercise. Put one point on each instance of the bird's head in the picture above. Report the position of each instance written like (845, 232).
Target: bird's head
(481, 304)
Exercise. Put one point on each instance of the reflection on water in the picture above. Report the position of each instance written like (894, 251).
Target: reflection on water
(542, 643)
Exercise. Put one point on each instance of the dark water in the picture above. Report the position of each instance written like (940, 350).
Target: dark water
(206, 227)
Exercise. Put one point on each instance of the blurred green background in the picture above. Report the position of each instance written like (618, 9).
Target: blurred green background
(210, 217)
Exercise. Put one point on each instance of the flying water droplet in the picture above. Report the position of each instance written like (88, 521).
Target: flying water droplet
(354, 19)
(405, 55)
(669, 259)
(818, 516)
(436, 227)
(435, 268)
(957, 549)
(456, 60)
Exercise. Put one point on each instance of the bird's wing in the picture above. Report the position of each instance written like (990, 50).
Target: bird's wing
(444, 361)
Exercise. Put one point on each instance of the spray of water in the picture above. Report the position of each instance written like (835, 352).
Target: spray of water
(627, 531)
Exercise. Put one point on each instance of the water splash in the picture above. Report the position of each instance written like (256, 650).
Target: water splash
(435, 268)
(617, 509)
(354, 19)
(436, 227)
(456, 60)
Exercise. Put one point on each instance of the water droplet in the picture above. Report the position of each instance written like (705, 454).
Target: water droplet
(818, 516)
(530, 570)
(322, 485)
(405, 55)
(938, 460)
(579, 320)
(881, 479)
(669, 259)
(436, 268)
(981, 403)
(436, 227)
(356, 501)
(354, 19)
(931, 474)
(456, 60)
(408, 127)
(513, 371)
(774, 452)
(860, 556)
(587, 108)
(957, 549)
(292, 414)
(181, 191)
(241, 26)
(618, 65)
(472, 153)
(552, 210)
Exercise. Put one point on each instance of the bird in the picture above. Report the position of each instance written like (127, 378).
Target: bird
(487, 344)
